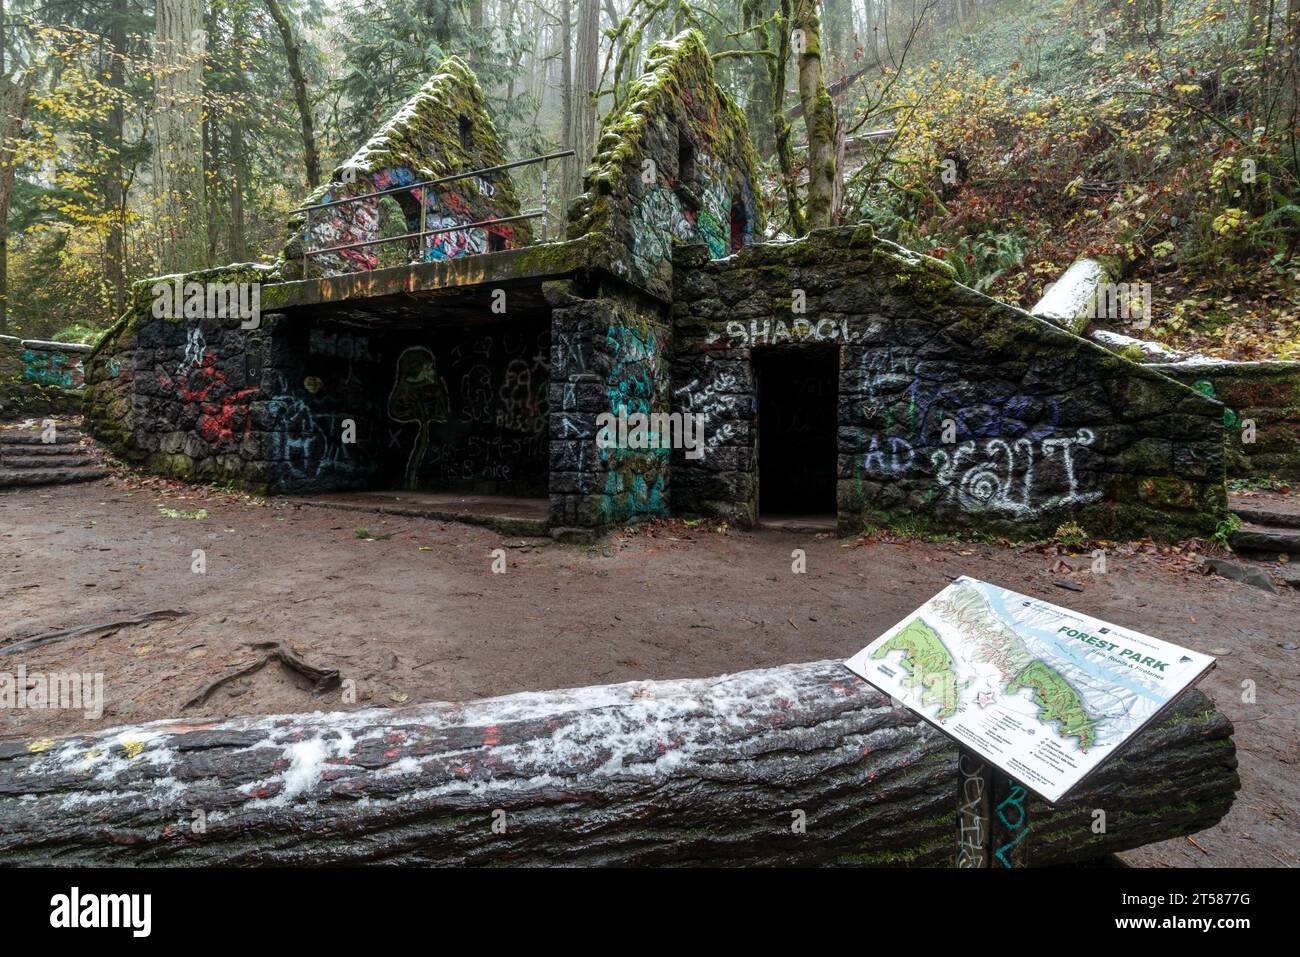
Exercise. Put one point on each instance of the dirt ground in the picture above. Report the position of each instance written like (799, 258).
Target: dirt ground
(413, 612)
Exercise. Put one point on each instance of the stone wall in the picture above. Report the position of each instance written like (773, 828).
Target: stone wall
(443, 129)
(305, 403)
(40, 377)
(609, 354)
(954, 409)
(675, 165)
(1266, 394)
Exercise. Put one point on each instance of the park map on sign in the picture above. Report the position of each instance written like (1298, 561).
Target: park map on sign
(1043, 693)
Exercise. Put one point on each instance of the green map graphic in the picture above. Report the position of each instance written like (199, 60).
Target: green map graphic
(929, 665)
(1058, 702)
(992, 641)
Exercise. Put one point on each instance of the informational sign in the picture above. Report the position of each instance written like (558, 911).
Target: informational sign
(1043, 693)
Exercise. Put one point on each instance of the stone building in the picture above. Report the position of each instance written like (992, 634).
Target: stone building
(836, 375)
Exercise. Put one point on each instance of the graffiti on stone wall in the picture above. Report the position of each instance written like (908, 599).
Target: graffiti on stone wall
(308, 443)
(1231, 420)
(360, 222)
(1000, 476)
(351, 347)
(988, 453)
(719, 400)
(420, 396)
(634, 481)
(343, 226)
(520, 407)
(483, 458)
(658, 218)
(480, 405)
(769, 333)
(448, 212)
(49, 368)
(476, 394)
(927, 406)
(199, 382)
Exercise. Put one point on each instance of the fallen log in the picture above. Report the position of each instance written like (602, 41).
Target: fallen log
(702, 771)
(1071, 301)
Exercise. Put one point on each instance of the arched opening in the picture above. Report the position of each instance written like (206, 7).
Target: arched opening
(466, 133)
(398, 215)
(739, 223)
(686, 171)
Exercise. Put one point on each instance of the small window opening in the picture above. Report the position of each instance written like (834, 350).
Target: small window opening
(466, 133)
(685, 159)
(739, 223)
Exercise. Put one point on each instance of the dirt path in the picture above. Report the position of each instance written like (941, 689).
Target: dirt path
(419, 615)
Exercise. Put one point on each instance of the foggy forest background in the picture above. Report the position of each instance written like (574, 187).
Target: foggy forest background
(1007, 137)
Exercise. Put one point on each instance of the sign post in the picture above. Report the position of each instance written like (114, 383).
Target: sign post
(1035, 696)
(1009, 844)
(974, 804)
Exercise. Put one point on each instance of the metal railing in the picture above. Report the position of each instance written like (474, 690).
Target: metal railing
(424, 231)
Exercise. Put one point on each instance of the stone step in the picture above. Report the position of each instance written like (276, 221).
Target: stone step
(45, 461)
(60, 448)
(29, 437)
(1261, 538)
(1272, 517)
(40, 448)
(18, 478)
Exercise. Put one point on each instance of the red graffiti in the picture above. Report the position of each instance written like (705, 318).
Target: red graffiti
(218, 418)
(457, 204)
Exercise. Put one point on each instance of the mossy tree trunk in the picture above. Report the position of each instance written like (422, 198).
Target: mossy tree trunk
(15, 95)
(115, 173)
(180, 44)
(758, 107)
(293, 56)
(581, 134)
(782, 23)
(818, 114)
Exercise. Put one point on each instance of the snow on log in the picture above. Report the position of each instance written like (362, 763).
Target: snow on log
(700, 771)
(1071, 300)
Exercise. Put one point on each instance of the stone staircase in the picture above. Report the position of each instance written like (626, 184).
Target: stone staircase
(27, 459)
(1270, 530)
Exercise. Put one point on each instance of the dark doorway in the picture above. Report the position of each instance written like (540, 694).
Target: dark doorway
(797, 389)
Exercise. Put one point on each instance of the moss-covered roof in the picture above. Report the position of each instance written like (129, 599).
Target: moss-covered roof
(425, 135)
(679, 71)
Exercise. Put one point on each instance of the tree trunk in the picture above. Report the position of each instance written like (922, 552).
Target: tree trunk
(570, 165)
(15, 96)
(700, 771)
(293, 56)
(238, 166)
(212, 152)
(758, 105)
(114, 178)
(780, 125)
(179, 47)
(819, 117)
(838, 15)
(582, 106)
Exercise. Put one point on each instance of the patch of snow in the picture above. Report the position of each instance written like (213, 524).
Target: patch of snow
(1154, 350)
